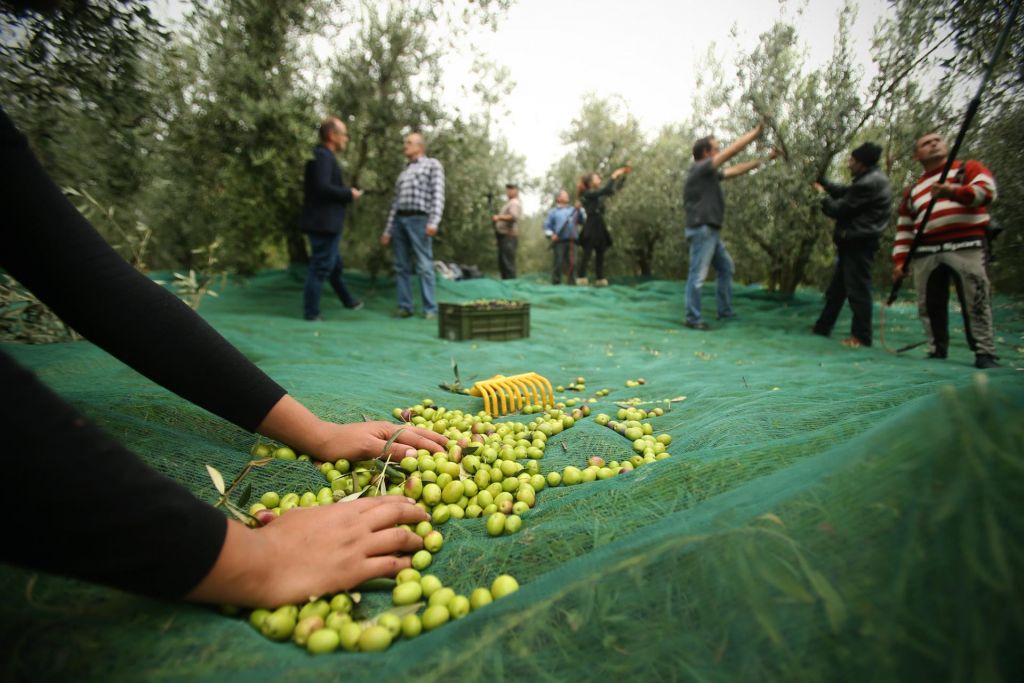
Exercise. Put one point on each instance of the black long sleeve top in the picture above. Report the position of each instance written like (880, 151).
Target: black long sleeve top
(120, 523)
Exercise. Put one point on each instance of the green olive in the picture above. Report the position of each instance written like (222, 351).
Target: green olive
(407, 593)
(307, 500)
(348, 636)
(513, 523)
(473, 511)
(375, 639)
(520, 508)
(433, 541)
(441, 597)
(422, 559)
(458, 607)
(441, 514)
(554, 478)
(305, 627)
(336, 620)
(258, 616)
(431, 494)
(496, 524)
(411, 626)
(503, 585)
(456, 511)
(323, 641)
(285, 453)
(391, 621)
(279, 625)
(318, 608)
(407, 574)
(434, 616)
(270, 499)
(430, 584)
(423, 528)
(480, 597)
(341, 603)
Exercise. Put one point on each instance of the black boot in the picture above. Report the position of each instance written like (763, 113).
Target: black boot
(985, 361)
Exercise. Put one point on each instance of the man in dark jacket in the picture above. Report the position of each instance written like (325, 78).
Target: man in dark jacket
(861, 211)
(323, 216)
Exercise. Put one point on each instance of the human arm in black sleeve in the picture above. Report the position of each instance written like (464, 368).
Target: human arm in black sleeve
(48, 246)
(323, 178)
(115, 521)
(849, 203)
(834, 190)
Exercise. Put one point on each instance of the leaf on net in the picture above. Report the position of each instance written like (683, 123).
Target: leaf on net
(218, 479)
(243, 499)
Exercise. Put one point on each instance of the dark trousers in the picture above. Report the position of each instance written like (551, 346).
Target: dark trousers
(563, 253)
(598, 261)
(324, 264)
(851, 282)
(507, 255)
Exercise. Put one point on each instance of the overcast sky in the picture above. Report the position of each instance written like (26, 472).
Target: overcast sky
(647, 51)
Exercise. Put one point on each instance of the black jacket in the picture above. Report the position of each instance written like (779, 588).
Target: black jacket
(861, 210)
(325, 195)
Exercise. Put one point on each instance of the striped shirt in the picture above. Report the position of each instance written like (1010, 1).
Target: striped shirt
(420, 187)
(960, 219)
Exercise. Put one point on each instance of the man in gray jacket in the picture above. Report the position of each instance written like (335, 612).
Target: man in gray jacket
(861, 211)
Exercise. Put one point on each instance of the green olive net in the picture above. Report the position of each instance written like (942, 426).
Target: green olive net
(827, 513)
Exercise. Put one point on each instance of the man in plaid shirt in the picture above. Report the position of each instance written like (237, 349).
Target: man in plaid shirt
(412, 223)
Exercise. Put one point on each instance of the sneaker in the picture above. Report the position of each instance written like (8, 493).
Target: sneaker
(582, 281)
(601, 283)
(853, 343)
(429, 316)
(402, 313)
(985, 361)
(359, 305)
(703, 326)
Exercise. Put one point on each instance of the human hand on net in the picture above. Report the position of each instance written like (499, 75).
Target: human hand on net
(365, 440)
(339, 546)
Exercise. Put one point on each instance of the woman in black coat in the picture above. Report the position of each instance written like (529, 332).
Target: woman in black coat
(595, 236)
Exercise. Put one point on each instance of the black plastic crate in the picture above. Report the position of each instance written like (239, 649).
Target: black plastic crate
(479, 321)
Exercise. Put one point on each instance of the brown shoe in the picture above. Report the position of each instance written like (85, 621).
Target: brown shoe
(852, 343)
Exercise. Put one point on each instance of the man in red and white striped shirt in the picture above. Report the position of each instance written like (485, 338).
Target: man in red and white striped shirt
(951, 248)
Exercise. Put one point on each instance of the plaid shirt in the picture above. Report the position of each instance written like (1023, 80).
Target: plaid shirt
(420, 187)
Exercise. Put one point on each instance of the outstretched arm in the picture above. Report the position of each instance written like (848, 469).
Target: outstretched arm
(737, 170)
(737, 146)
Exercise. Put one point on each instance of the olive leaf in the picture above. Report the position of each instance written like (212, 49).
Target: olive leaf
(353, 496)
(243, 499)
(218, 479)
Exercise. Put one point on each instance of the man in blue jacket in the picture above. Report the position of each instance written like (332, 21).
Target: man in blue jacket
(325, 197)
(862, 211)
(560, 227)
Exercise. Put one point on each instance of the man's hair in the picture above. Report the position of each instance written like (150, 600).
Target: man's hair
(701, 147)
(328, 126)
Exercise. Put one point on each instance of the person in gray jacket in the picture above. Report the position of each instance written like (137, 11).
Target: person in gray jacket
(861, 211)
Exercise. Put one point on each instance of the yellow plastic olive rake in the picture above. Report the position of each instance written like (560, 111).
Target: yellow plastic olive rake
(503, 395)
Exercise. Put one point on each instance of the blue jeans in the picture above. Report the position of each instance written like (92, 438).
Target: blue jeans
(706, 250)
(324, 264)
(410, 241)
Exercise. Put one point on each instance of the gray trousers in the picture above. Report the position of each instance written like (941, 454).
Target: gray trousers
(966, 269)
